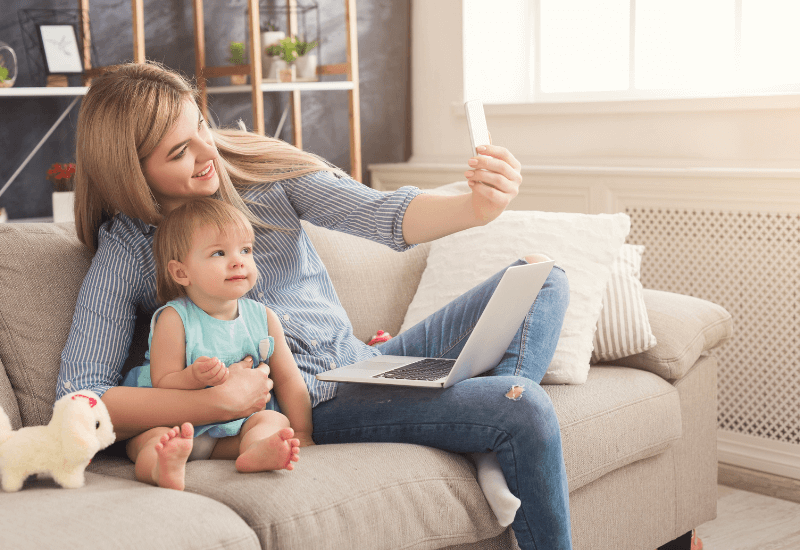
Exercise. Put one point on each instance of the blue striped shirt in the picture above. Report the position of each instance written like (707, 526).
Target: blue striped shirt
(292, 280)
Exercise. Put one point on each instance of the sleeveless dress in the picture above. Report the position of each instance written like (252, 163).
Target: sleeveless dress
(229, 341)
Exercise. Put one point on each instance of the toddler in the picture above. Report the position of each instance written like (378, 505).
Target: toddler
(204, 265)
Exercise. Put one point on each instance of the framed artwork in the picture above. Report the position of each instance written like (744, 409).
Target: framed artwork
(59, 45)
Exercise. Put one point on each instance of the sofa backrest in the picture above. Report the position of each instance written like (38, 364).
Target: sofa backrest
(8, 401)
(41, 270)
(374, 283)
(42, 267)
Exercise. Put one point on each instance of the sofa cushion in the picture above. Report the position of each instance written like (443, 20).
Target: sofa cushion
(583, 245)
(623, 327)
(42, 267)
(685, 327)
(357, 496)
(617, 417)
(8, 401)
(116, 513)
(362, 271)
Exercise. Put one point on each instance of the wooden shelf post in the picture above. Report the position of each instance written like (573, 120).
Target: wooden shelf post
(137, 10)
(254, 24)
(355, 98)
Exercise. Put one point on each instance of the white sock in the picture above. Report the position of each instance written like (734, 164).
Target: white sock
(494, 486)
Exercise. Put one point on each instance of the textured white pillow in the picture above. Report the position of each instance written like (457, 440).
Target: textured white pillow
(581, 244)
(623, 327)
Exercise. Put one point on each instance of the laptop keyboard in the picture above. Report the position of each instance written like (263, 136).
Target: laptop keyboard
(424, 369)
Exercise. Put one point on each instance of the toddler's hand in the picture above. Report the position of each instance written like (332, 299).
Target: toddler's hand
(209, 371)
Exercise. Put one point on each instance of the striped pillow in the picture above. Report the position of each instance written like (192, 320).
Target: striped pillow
(623, 327)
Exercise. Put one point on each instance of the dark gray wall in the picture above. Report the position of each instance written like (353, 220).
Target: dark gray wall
(383, 32)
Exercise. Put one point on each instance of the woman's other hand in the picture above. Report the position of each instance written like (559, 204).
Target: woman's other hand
(247, 389)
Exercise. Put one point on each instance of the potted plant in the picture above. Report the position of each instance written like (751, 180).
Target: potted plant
(306, 62)
(8, 66)
(288, 55)
(237, 58)
(270, 36)
(61, 176)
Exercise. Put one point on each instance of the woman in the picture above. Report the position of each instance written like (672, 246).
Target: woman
(144, 149)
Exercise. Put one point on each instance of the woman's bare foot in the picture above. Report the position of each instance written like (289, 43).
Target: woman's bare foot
(173, 450)
(277, 452)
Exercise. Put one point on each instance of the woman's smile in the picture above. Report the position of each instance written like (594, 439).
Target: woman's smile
(206, 173)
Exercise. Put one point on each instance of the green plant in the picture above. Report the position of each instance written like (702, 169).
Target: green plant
(304, 47)
(3, 74)
(288, 47)
(269, 26)
(237, 53)
(274, 50)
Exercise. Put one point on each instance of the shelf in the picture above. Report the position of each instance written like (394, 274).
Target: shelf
(32, 91)
(284, 87)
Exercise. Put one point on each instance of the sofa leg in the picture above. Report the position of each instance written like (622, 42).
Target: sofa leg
(684, 542)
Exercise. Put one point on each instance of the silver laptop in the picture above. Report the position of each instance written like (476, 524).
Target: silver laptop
(499, 322)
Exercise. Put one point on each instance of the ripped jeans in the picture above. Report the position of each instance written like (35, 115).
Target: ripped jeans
(476, 415)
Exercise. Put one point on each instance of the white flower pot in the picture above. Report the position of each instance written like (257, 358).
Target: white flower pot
(63, 206)
(307, 66)
(276, 65)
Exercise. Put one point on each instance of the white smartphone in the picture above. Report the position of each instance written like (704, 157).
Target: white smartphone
(476, 121)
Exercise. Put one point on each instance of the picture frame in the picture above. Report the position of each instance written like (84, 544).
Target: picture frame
(59, 44)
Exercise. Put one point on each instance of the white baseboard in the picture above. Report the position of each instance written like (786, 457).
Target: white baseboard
(758, 453)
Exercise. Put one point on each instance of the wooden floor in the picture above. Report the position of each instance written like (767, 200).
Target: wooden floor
(751, 521)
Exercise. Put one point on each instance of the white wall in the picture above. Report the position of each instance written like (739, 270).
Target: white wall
(755, 132)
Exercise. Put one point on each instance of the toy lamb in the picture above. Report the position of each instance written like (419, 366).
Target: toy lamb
(80, 427)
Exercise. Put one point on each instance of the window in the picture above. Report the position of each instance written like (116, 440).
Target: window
(523, 51)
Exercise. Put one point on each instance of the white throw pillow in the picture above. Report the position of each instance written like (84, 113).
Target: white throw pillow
(583, 245)
(623, 327)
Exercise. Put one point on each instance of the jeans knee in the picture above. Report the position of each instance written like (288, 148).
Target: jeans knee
(534, 416)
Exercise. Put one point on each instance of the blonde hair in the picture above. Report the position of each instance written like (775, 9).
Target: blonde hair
(175, 236)
(125, 114)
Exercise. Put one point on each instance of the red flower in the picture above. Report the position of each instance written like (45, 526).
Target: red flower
(60, 175)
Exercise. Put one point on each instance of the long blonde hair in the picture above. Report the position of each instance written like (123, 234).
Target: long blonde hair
(125, 114)
(174, 237)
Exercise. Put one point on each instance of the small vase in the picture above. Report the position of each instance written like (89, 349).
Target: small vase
(273, 67)
(63, 206)
(307, 66)
(287, 75)
(8, 59)
(238, 79)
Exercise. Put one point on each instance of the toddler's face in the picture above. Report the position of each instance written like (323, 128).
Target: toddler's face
(220, 265)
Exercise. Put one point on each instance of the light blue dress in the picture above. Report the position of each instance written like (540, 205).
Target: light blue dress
(229, 341)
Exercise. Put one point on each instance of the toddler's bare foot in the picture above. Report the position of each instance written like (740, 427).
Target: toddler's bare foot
(277, 452)
(173, 450)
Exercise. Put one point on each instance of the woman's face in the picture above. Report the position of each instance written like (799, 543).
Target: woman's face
(182, 167)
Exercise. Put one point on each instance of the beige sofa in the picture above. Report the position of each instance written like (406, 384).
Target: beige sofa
(639, 436)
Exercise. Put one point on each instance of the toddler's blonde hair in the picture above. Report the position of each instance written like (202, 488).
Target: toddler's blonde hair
(175, 236)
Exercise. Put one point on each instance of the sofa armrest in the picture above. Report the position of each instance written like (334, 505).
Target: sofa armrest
(685, 328)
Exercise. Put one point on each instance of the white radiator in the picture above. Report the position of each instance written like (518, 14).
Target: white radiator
(749, 263)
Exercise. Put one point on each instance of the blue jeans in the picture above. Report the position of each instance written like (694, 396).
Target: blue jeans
(476, 415)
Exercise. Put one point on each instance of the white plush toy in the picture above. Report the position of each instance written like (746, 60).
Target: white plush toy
(79, 428)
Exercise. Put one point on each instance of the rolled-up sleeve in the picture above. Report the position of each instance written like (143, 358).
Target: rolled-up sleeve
(103, 322)
(343, 204)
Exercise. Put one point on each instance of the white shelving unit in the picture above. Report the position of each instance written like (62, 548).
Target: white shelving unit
(66, 91)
